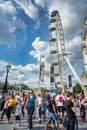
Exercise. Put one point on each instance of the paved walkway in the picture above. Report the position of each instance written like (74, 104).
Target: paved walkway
(4, 125)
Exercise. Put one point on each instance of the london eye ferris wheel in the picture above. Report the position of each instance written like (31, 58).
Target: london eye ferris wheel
(57, 51)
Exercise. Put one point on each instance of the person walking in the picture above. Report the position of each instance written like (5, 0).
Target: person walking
(5, 108)
(47, 96)
(83, 109)
(43, 110)
(70, 109)
(2, 103)
(30, 106)
(10, 105)
(39, 101)
(18, 112)
(23, 103)
(59, 103)
(52, 113)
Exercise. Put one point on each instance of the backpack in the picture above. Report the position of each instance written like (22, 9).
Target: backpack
(48, 105)
(60, 99)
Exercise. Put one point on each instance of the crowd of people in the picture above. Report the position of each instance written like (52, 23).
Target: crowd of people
(52, 108)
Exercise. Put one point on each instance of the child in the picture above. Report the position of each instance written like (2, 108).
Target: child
(43, 110)
(18, 113)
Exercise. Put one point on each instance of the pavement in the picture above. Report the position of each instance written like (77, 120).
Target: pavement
(4, 125)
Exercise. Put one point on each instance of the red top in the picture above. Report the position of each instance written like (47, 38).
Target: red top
(82, 96)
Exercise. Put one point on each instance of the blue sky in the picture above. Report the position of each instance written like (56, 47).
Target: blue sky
(24, 36)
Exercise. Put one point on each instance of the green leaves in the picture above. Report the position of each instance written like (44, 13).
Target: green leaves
(77, 88)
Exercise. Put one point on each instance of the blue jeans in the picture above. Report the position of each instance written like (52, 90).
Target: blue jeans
(30, 112)
(52, 116)
(71, 124)
(39, 110)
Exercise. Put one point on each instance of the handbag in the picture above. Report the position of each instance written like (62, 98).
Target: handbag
(65, 121)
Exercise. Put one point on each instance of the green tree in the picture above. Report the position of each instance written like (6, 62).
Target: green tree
(1, 85)
(77, 88)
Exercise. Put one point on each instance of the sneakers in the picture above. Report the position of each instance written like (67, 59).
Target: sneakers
(8, 121)
(49, 128)
(0, 112)
(14, 128)
(33, 117)
(80, 117)
(40, 121)
(44, 120)
(19, 124)
(60, 122)
(1, 119)
(55, 128)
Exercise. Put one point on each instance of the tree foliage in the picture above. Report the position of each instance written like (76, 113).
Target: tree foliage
(14, 87)
(77, 88)
(1, 85)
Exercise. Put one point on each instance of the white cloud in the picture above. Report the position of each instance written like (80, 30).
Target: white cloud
(31, 67)
(9, 23)
(29, 9)
(40, 2)
(19, 74)
(40, 48)
(37, 25)
(29, 73)
(72, 17)
(8, 7)
(73, 47)
(6, 36)
(72, 14)
(32, 82)
(21, 77)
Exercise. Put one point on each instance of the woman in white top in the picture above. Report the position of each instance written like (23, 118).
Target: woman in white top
(59, 103)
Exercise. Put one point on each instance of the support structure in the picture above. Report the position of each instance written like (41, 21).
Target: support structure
(73, 71)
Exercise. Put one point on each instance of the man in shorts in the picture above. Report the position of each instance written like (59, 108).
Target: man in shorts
(52, 115)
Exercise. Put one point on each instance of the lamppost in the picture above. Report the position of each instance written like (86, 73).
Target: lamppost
(5, 87)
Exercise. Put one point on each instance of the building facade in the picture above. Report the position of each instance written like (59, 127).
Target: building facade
(84, 52)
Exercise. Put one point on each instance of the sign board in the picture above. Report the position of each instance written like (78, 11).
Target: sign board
(70, 81)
